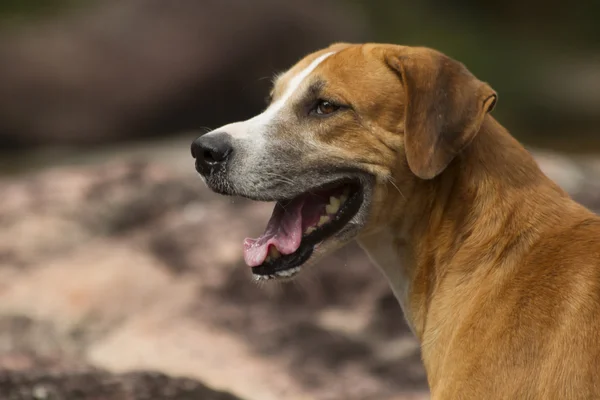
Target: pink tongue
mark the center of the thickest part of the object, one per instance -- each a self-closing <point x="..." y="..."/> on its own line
<point x="284" y="231"/>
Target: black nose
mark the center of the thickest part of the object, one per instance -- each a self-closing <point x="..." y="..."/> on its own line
<point x="211" y="151"/>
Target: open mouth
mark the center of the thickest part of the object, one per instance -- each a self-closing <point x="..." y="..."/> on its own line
<point x="299" y="225"/>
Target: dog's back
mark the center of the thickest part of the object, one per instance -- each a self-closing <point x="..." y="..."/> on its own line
<point x="529" y="325"/>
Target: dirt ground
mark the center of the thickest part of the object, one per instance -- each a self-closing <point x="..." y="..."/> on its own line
<point x="125" y="280"/>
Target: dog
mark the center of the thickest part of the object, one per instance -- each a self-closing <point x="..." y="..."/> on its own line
<point x="496" y="268"/>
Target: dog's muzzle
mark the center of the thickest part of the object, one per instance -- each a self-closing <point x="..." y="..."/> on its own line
<point x="212" y="152"/>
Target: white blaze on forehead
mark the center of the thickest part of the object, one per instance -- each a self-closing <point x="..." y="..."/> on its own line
<point x="293" y="85"/>
<point x="254" y="127"/>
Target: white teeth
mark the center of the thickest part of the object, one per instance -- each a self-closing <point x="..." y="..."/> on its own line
<point x="331" y="209"/>
<point x="323" y="220"/>
<point x="279" y="274"/>
<point x="333" y="206"/>
<point x="274" y="253"/>
<point x="287" y="273"/>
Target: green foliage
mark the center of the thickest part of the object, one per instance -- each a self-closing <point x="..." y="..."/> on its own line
<point x="505" y="43"/>
<point x="11" y="10"/>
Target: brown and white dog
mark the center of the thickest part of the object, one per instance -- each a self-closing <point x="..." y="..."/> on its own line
<point x="496" y="268"/>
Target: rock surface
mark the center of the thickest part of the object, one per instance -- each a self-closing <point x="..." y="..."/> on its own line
<point x="120" y="267"/>
<point x="99" y="385"/>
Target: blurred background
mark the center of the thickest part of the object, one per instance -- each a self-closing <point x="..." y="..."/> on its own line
<point x="121" y="276"/>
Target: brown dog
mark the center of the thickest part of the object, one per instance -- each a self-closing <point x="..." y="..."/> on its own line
<point x="496" y="268"/>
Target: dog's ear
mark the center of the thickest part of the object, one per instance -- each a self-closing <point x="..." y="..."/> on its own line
<point x="445" y="107"/>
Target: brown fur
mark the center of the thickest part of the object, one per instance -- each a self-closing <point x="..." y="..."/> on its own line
<point x="497" y="269"/>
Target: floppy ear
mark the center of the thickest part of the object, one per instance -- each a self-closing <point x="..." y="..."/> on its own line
<point x="445" y="107"/>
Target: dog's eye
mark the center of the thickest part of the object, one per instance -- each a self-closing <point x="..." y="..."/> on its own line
<point x="325" y="107"/>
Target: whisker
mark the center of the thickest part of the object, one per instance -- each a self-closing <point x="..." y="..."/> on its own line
<point x="391" y="180"/>
<point x="281" y="178"/>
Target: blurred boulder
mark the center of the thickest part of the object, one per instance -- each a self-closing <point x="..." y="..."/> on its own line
<point x="136" y="266"/>
<point x="100" y="385"/>
<point x="125" y="69"/>
<point x="579" y="176"/>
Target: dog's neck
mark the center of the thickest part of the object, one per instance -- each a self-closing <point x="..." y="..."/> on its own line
<point x="458" y="227"/>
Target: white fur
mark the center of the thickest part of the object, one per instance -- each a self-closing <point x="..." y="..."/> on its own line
<point x="255" y="128"/>
<point x="295" y="82"/>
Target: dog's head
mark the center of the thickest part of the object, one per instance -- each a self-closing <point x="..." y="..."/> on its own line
<point x="346" y="129"/>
